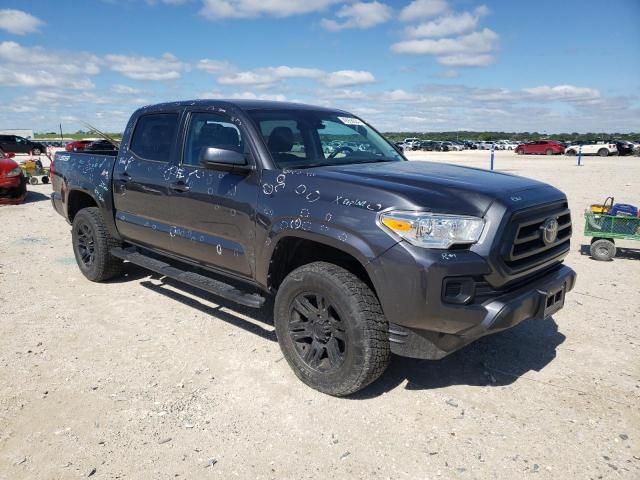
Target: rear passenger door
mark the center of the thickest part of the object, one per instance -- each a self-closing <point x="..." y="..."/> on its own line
<point x="213" y="210"/>
<point x="142" y="180"/>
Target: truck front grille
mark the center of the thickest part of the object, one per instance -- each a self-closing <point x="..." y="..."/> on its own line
<point x="527" y="246"/>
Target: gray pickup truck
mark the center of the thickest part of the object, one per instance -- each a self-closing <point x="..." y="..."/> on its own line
<point x="365" y="252"/>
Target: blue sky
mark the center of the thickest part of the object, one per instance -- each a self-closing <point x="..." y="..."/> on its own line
<point x="424" y="65"/>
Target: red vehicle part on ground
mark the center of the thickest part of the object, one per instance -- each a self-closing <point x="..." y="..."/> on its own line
<point x="13" y="183"/>
<point x="77" y="146"/>
<point x="540" y="147"/>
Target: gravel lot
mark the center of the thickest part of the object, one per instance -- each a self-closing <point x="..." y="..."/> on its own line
<point x="139" y="378"/>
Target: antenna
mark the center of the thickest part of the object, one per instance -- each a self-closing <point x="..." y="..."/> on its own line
<point x="107" y="137"/>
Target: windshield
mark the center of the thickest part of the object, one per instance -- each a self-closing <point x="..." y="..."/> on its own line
<point x="307" y="138"/>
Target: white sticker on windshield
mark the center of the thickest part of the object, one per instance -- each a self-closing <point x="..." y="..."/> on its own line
<point x="350" y="121"/>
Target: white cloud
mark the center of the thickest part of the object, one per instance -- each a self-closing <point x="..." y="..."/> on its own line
<point x="214" y="66"/>
<point x="359" y="15"/>
<point x="345" y="78"/>
<point x="272" y="75"/>
<point x="568" y="93"/>
<point x="449" y="24"/>
<point x="264" y="96"/>
<point x="216" y="9"/>
<point x="422" y="9"/>
<point x="41" y="78"/>
<point x="268" y="75"/>
<point x="38" y="58"/>
<point x="246" y="78"/>
<point x="464" y="60"/>
<point x="166" y="67"/>
<point x="468" y="50"/>
<point x="18" y="22"/>
<point x="125" y="90"/>
<point x="38" y="67"/>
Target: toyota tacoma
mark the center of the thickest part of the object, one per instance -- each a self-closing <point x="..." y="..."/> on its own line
<point x="364" y="253"/>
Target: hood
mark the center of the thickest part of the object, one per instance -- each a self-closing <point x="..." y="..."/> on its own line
<point x="6" y="165"/>
<point x="438" y="186"/>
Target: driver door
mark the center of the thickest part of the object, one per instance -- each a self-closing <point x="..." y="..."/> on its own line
<point x="212" y="211"/>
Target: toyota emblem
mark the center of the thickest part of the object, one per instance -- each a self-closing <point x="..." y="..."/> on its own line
<point x="549" y="231"/>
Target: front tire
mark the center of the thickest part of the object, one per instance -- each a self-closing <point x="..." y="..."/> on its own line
<point x="548" y="151"/>
<point x="36" y="151"/>
<point x="602" y="249"/>
<point x="331" y="329"/>
<point x="92" y="243"/>
<point x="520" y="151"/>
<point x="603" y="152"/>
<point x="570" y="153"/>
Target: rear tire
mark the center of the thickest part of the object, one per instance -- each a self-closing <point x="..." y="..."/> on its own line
<point x="602" y="249"/>
<point x="92" y="244"/>
<point x="603" y="152"/>
<point x="36" y="151"/>
<point x="548" y="151"/>
<point x="519" y="151"/>
<point x="331" y="329"/>
<point x="570" y="153"/>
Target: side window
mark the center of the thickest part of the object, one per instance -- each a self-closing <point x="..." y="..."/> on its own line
<point x="283" y="139"/>
<point x="20" y="140"/>
<point x="210" y="130"/>
<point x="154" y="136"/>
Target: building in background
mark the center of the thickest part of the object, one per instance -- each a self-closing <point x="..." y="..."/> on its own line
<point x="20" y="132"/>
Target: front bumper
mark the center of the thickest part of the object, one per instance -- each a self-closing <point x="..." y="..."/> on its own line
<point x="538" y="300"/>
<point x="13" y="190"/>
<point x="423" y="324"/>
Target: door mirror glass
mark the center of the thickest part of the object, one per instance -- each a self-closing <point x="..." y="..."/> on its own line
<point x="216" y="157"/>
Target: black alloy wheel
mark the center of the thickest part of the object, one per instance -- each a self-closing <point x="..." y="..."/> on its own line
<point x="317" y="332"/>
<point x="86" y="243"/>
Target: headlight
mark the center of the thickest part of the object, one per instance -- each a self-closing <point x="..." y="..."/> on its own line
<point x="433" y="230"/>
<point x="15" y="172"/>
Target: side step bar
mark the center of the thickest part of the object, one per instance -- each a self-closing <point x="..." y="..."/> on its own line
<point x="207" y="284"/>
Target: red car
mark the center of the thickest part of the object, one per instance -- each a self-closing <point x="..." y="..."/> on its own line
<point x="541" y="147"/>
<point x="77" y="146"/>
<point x="13" y="183"/>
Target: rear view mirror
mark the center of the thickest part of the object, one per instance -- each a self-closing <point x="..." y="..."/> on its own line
<point x="223" y="159"/>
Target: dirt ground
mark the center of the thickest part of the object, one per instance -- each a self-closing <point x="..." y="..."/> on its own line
<point x="140" y="378"/>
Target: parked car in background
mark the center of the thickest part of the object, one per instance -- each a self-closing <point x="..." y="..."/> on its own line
<point x="430" y="146"/>
<point x="624" y="147"/>
<point x="77" y="146"/>
<point x="100" y="146"/>
<point x="453" y="146"/>
<point x="540" y="147"/>
<point x="483" y="145"/>
<point x="17" y="144"/>
<point x="13" y="182"/>
<point x="593" y="148"/>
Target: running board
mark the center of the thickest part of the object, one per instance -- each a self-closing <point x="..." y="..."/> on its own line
<point x="207" y="284"/>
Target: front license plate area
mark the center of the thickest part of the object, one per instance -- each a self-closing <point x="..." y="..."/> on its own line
<point x="554" y="301"/>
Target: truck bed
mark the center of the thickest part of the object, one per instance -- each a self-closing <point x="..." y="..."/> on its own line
<point x="89" y="172"/>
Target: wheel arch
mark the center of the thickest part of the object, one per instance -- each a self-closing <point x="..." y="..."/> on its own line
<point x="294" y="249"/>
<point x="77" y="199"/>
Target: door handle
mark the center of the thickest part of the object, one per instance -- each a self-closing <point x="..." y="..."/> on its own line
<point x="126" y="177"/>
<point x="180" y="186"/>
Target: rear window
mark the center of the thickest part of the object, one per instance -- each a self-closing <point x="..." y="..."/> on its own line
<point x="154" y="136"/>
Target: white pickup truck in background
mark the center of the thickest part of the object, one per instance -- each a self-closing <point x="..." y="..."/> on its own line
<point x="602" y="149"/>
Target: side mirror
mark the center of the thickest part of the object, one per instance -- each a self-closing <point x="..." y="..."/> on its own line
<point x="223" y="159"/>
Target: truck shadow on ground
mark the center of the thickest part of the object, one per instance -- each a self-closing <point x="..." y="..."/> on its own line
<point x="626" y="253"/>
<point x="495" y="360"/>
<point x="227" y="311"/>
